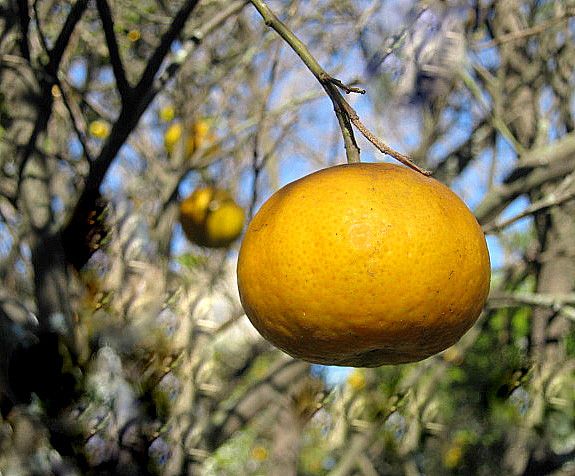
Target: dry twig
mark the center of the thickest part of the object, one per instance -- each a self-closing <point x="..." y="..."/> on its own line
<point x="345" y="114"/>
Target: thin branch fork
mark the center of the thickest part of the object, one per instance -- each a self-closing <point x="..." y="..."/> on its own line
<point x="499" y="197"/>
<point x="534" y="30"/>
<point x="122" y="83"/>
<point x="560" y="303"/>
<point x="57" y="52"/>
<point x="143" y="93"/>
<point x="564" y="192"/>
<point x="326" y="78"/>
<point x="49" y="77"/>
<point x="346" y="115"/>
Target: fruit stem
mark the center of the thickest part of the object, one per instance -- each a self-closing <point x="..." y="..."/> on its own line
<point x="346" y="115"/>
<point x="329" y="84"/>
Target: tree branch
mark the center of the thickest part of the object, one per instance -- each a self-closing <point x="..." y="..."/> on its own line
<point x="357" y="446"/>
<point x="142" y="95"/>
<point x="272" y="21"/>
<point x="195" y="39"/>
<point x="565" y="192"/>
<point x="227" y="420"/>
<point x="344" y="112"/>
<point x="64" y="37"/>
<point x="122" y="84"/>
<point x="45" y="95"/>
<point x="527" y="32"/>
<point x="40" y="28"/>
<point x="158" y="56"/>
<point x="75" y="113"/>
<point x="563" y="303"/>
<point x="24" y="17"/>
<point x="218" y="19"/>
<point x="556" y="161"/>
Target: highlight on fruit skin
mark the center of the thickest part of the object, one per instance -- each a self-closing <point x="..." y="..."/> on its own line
<point x="363" y="265"/>
<point x="211" y="218"/>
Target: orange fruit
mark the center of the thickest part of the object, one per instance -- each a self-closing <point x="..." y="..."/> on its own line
<point x="197" y="135"/>
<point x="259" y="453"/>
<point x="363" y="265"/>
<point x="99" y="129"/>
<point x="211" y="218"/>
<point x="167" y="113"/>
<point x="356" y="380"/>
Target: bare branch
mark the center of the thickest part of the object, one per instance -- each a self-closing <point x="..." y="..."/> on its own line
<point x="196" y="38"/>
<point x="64" y="37"/>
<point x="55" y="55"/>
<point x="271" y="20"/>
<point x="152" y="67"/>
<point x="496" y="121"/>
<point x="382" y="146"/>
<point x="40" y="28"/>
<point x="527" y="32"/>
<point x="357" y="446"/>
<point x="554" y="161"/>
<point x="565" y="192"/>
<point x="281" y="376"/>
<point x="24" y="28"/>
<point x="76" y="115"/>
<point x="133" y="109"/>
<point x="563" y="303"/>
<point x="218" y="19"/>
<point x="347" y="88"/>
<point x="344" y="112"/>
<point x="122" y="84"/>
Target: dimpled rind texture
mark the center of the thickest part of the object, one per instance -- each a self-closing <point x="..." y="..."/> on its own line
<point x="363" y="265"/>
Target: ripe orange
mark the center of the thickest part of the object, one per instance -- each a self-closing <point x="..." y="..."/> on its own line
<point x="197" y="135"/>
<point x="99" y="129"/>
<point x="363" y="265"/>
<point x="210" y="217"/>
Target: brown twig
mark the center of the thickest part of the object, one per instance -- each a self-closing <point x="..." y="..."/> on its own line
<point x="78" y="122"/>
<point x="548" y="162"/>
<point x="564" y="193"/>
<point x="124" y="88"/>
<point x="345" y="114"/>
<point x="382" y="146"/>
<point x="563" y="303"/>
<point x="347" y="88"/>
<point x="527" y="32"/>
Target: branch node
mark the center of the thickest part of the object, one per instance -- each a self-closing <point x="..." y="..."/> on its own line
<point x="345" y="114"/>
<point x="345" y="87"/>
